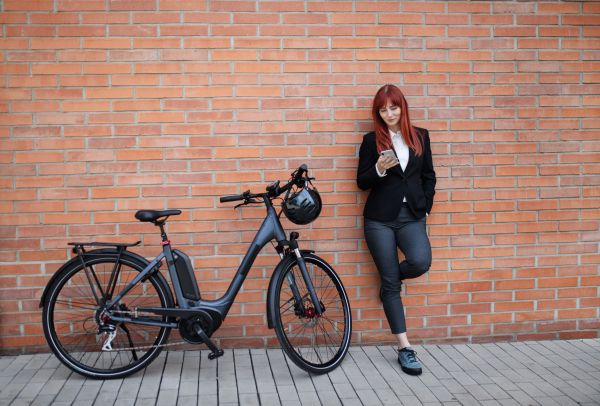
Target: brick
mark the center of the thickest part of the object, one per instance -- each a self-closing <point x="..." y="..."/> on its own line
<point x="82" y="56"/>
<point x="54" y="18"/>
<point x="182" y="5"/>
<point x="132" y="31"/>
<point x="82" y="31"/>
<point x="106" y="43"/>
<point x="423" y="31"/>
<point x="130" y="5"/>
<point x="81" y="5"/>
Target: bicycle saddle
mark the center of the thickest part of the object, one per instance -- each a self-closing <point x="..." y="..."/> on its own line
<point x="152" y="215"/>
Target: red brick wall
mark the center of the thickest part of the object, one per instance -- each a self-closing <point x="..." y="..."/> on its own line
<point x="111" y="106"/>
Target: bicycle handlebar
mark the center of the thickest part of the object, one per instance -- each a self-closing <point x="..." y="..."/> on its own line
<point x="226" y="199"/>
<point x="297" y="177"/>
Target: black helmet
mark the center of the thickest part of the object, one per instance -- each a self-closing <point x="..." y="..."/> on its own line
<point x="302" y="207"/>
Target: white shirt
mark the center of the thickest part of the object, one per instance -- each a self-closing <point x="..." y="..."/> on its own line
<point x="401" y="152"/>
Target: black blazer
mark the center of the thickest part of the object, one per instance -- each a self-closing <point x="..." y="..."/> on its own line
<point x="416" y="183"/>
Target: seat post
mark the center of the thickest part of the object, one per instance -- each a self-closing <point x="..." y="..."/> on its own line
<point x="163" y="235"/>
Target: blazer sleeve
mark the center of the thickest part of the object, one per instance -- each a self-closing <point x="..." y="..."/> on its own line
<point x="367" y="176"/>
<point x="428" y="179"/>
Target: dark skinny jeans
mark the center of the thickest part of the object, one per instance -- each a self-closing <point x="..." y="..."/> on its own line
<point x="407" y="233"/>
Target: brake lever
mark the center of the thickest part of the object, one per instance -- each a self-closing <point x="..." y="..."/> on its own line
<point x="248" y="200"/>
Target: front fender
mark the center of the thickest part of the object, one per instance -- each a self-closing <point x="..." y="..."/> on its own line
<point x="283" y="264"/>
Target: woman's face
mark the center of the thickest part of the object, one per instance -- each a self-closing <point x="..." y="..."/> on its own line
<point x="390" y="113"/>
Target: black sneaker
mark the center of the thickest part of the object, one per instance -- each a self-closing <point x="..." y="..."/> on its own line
<point x="407" y="358"/>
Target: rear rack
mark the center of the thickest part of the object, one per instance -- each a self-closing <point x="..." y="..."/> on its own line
<point x="120" y="246"/>
<point x="80" y="251"/>
<point x="109" y="244"/>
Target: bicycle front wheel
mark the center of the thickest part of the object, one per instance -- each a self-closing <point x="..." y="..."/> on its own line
<point x="77" y="332"/>
<point x="316" y="344"/>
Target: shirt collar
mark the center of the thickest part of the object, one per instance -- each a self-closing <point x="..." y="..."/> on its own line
<point x="393" y="134"/>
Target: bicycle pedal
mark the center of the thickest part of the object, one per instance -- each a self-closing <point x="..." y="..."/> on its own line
<point x="216" y="354"/>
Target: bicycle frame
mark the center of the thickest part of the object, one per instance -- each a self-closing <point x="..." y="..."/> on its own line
<point x="270" y="229"/>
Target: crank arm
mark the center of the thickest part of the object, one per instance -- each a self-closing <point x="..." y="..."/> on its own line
<point x="216" y="353"/>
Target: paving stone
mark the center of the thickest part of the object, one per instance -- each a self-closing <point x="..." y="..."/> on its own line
<point x="368" y="397"/>
<point x="522" y="397"/>
<point x="21" y="402"/>
<point x="442" y="394"/>
<point x="210" y="400"/>
<point x="466" y="399"/>
<point x="248" y="400"/>
<point x="495" y="391"/>
<point x="188" y="389"/>
<point x="351" y="402"/>
<point x="31" y="390"/>
<point x="287" y="393"/>
<point x="4" y="381"/>
<point x="347" y="391"/>
<point x="44" y="400"/>
<point x="52" y="388"/>
<point x="508" y="374"/>
<point x="269" y="399"/>
<point x="145" y="402"/>
<point x="453" y="386"/>
<point x="89" y="391"/>
<point x="575" y="394"/>
<point x="106" y="398"/>
<point x="425" y="395"/>
<point x="479" y="393"/>
<point x="11" y="391"/>
<point x="228" y="395"/>
<point x="387" y="397"/>
<point x="125" y="402"/>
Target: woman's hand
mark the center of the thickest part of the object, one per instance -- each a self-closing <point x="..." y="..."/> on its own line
<point x="386" y="162"/>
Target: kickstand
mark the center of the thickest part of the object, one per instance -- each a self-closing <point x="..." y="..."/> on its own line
<point x="216" y="353"/>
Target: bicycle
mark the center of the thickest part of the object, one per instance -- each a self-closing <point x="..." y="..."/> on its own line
<point x="102" y="335"/>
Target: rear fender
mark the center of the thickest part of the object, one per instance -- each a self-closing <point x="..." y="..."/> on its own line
<point x="283" y="264"/>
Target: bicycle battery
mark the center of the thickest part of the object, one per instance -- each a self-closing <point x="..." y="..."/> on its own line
<point x="185" y="273"/>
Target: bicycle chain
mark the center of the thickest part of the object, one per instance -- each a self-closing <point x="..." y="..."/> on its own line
<point x="148" y="346"/>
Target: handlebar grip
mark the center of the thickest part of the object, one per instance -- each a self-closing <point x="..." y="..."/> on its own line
<point x="301" y="170"/>
<point x="226" y="199"/>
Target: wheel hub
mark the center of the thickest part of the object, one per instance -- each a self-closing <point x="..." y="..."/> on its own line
<point x="308" y="316"/>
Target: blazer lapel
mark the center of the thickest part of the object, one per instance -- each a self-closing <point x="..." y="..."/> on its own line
<point x="411" y="159"/>
<point x="397" y="168"/>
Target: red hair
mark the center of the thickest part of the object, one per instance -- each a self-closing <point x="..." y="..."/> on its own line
<point x="382" y="134"/>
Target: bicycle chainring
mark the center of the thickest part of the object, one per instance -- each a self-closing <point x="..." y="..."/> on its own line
<point x="187" y="330"/>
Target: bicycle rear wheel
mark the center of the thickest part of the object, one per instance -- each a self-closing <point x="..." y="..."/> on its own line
<point x="317" y="344"/>
<point x="76" y="331"/>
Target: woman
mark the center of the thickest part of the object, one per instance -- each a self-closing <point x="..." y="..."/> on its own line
<point x="402" y="189"/>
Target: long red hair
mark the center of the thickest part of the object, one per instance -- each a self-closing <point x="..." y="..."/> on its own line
<point x="382" y="134"/>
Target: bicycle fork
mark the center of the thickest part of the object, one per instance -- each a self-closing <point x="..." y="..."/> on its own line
<point x="293" y="244"/>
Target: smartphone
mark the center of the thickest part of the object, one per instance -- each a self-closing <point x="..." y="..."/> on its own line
<point x="389" y="152"/>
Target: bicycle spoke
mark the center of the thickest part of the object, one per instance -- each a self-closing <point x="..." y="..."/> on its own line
<point x="77" y="320"/>
<point x="316" y="339"/>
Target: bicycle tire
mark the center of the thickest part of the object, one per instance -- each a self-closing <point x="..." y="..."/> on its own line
<point x="70" y="316"/>
<point x="326" y="343"/>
